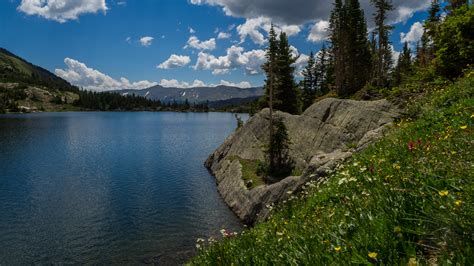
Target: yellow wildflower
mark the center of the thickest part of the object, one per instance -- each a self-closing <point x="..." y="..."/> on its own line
<point x="458" y="202"/>
<point x="464" y="127"/>
<point x="443" y="193"/>
<point x="337" y="249"/>
<point x="412" y="262"/>
<point x="472" y="116"/>
<point x="373" y="255"/>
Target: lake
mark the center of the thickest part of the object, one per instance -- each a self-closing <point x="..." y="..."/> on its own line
<point x="101" y="188"/>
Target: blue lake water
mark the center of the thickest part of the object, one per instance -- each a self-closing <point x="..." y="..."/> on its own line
<point x="100" y="188"/>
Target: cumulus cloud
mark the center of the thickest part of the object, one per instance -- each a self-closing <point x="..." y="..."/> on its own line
<point x="319" y="32"/>
<point x="194" y="42"/>
<point x="175" y="61"/>
<point x="253" y="28"/>
<point x="81" y="75"/>
<point x="223" y="35"/>
<point x="173" y="83"/>
<point x="61" y="10"/>
<point x="146" y="41"/>
<point x="235" y="58"/>
<point x="414" y="35"/>
<point x="298" y="12"/>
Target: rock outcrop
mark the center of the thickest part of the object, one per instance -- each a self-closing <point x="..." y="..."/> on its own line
<point x="324" y="135"/>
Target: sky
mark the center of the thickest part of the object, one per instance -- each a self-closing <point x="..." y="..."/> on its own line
<point x="105" y="45"/>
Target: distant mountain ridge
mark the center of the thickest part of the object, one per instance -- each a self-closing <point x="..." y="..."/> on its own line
<point x="195" y="95"/>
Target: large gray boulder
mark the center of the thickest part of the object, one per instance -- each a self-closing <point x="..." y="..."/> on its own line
<point x="324" y="135"/>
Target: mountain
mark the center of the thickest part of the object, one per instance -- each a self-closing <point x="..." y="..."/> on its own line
<point x="15" y="69"/>
<point x="25" y="87"/>
<point x="197" y="94"/>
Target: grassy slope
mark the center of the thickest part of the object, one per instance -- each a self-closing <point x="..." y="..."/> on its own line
<point x="406" y="199"/>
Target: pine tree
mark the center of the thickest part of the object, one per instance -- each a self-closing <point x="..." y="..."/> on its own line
<point x="384" y="50"/>
<point x="270" y="68"/>
<point x="350" y="47"/>
<point x="287" y="98"/>
<point x="280" y="165"/>
<point x="322" y="71"/>
<point x="404" y="65"/>
<point x="309" y="82"/>
<point x="455" y="4"/>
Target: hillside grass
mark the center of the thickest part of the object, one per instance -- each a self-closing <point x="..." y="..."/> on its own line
<point x="407" y="199"/>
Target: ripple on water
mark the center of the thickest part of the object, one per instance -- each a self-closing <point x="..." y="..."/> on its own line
<point x="125" y="188"/>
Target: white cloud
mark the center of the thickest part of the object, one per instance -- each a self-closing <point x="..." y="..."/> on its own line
<point x="243" y="84"/>
<point x="223" y="35"/>
<point x="298" y="12"/>
<point x="395" y="55"/>
<point x="191" y="30"/>
<point x="80" y="75"/>
<point x="414" y="35"/>
<point x="253" y="28"/>
<point x="235" y="58"/>
<point x="173" y="83"/>
<point x="319" y="31"/>
<point x="175" y="61"/>
<point x="195" y="43"/>
<point x="128" y="39"/>
<point x="62" y="10"/>
<point x="146" y="41"/>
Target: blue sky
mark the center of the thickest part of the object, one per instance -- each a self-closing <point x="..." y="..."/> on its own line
<point x="115" y="44"/>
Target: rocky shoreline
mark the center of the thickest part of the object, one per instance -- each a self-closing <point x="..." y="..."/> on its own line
<point x="326" y="134"/>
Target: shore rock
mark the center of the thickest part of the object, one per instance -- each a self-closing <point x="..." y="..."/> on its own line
<point x="324" y="135"/>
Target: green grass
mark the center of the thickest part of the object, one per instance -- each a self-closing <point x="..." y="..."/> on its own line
<point x="249" y="172"/>
<point x="407" y="199"/>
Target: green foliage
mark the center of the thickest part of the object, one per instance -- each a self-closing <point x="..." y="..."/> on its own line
<point x="240" y="122"/>
<point x="251" y="173"/>
<point x="455" y="43"/>
<point x="279" y="69"/>
<point x="279" y="164"/>
<point x="408" y="199"/>
<point x="350" y="47"/>
<point x="404" y="67"/>
<point x="382" y="51"/>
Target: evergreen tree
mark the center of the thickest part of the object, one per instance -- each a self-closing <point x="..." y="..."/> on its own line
<point x="287" y="95"/>
<point x="323" y="71"/>
<point x="350" y="47"/>
<point x="309" y="82"/>
<point x="280" y="165"/>
<point x="404" y="65"/>
<point x="384" y="50"/>
<point x="270" y="68"/>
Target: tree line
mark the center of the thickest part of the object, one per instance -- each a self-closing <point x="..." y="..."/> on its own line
<point x="111" y="101"/>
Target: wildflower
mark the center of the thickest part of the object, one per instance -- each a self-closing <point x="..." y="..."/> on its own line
<point x="472" y="116"/>
<point x="337" y="249"/>
<point x="412" y="262"/>
<point x="396" y="166"/>
<point x="373" y="255"/>
<point x="443" y="193"/>
<point x="411" y="145"/>
<point x="458" y="202"/>
<point x="463" y="127"/>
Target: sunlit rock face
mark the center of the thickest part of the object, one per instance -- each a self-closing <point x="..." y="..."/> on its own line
<point x="324" y="135"/>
